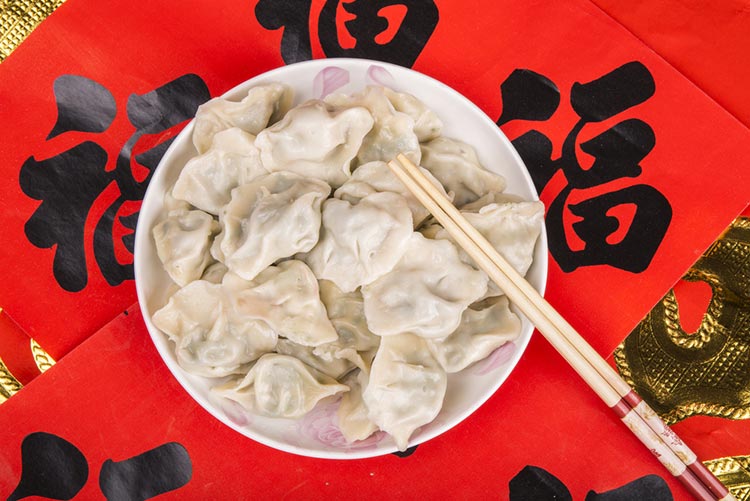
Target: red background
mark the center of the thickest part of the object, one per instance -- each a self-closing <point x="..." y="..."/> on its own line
<point x="112" y="396"/>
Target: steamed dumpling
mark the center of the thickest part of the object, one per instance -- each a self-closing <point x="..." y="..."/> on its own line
<point x="263" y="104"/>
<point x="481" y="332"/>
<point x="406" y="387"/>
<point x="215" y="273"/>
<point x="280" y="386"/>
<point x="346" y="310"/>
<point x="183" y="241"/>
<point x="353" y="414"/>
<point x="392" y="132"/>
<point x="490" y="198"/>
<point x="360" y="242"/>
<point x="315" y="142"/>
<point x="456" y="166"/>
<point x="377" y="177"/>
<point x="271" y="218"/>
<point x="355" y="345"/>
<point x="329" y="365"/>
<point x="425" y="293"/>
<point x="173" y="205"/>
<point x="207" y="180"/>
<point x="427" y="125"/>
<point x="512" y="228"/>
<point x="286" y="296"/>
<point x="213" y="338"/>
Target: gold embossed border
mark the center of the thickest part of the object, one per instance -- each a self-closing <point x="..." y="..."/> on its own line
<point x="734" y="472"/>
<point x="18" y="18"/>
<point x="9" y="385"/>
<point x="707" y="372"/>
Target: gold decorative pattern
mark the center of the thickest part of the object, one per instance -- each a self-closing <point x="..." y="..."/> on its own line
<point x="734" y="472"/>
<point x="18" y="18"/>
<point x="42" y="359"/>
<point x="707" y="372"/>
<point x="9" y="385"/>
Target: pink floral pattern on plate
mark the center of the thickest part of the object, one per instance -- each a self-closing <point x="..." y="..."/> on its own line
<point x="328" y="80"/>
<point x="235" y="412"/>
<point x="321" y="424"/>
<point x="332" y="78"/>
<point x="379" y="76"/>
<point x="494" y="360"/>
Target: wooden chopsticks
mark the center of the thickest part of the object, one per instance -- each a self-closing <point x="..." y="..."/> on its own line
<point x="595" y="371"/>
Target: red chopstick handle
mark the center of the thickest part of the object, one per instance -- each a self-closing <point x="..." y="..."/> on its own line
<point x="661" y="450"/>
<point x="677" y="445"/>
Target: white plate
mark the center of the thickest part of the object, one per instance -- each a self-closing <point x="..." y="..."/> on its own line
<point x="316" y="434"/>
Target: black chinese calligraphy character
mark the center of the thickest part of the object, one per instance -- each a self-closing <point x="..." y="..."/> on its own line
<point x="530" y="96"/>
<point x="68" y="184"/>
<point x="537" y="484"/>
<point x="53" y="468"/>
<point x="70" y="92"/>
<point x="151" y="113"/>
<point x="369" y="23"/>
<point x="617" y="154"/>
<point x="293" y="17"/>
<point x="147" y="475"/>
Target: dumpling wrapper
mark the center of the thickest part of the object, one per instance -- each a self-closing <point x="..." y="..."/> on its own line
<point x="427" y="125"/>
<point x="207" y="180"/>
<point x="183" y="240"/>
<point x="490" y="198"/>
<point x="315" y="142"/>
<point x="392" y="132"/>
<point x="346" y="311"/>
<point x="377" y="177"/>
<point x="360" y="242"/>
<point x="456" y="165"/>
<point x="406" y="387"/>
<point x="353" y="414"/>
<point x="480" y="333"/>
<point x="173" y="205"/>
<point x="330" y="366"/>
<point x="213" y="339"/>
<point x="425" y="293"/>
<point x="273" y="217"/>
<point x="280" y="386"/>
<point x="215" y="273"/>
<point x="263" y="104"/>
<point x="287" y="297"/>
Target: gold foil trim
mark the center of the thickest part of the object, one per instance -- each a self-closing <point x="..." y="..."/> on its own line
<point x="42" y="359"/>
<point x="681" y="374"/>
<point x="733" y="472"/>
<point x="18" y="18"/>
<point x="9" y="385"/>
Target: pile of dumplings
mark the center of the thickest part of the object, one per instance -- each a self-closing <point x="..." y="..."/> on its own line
<point x="306" y="270"/>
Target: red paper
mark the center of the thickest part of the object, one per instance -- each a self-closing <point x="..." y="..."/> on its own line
<point x="707" y="42"/>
